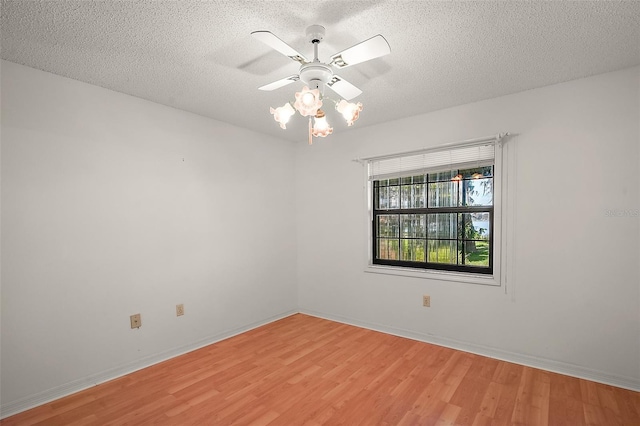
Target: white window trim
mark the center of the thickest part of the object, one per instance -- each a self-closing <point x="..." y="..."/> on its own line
<point x="499" y="203"/>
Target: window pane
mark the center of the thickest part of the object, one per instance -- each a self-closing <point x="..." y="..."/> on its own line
<point x="443" y="225"/>
<point x="442" y="251"/>
<point x="443" y="194"/>
<point x="405" y="191"/>
<point x="412" y="196"/>
<point x="476" y="253"/>
<point x="412" y="250"/>
<point x="413" y="179"/>
<point x="382" y="198"/>
<point x="388" y="225"/>
<point x="418" y="197"/>
<point x="387" y="249"/>
<point x="413" y="225"/>
<point x="477" y="192"/>
<point x="394" y="197"/>
<point x="474" y="226"/>
<point x="381" y="248"/>
<point x="477" y="172"/>
<point x="442" y="176"/>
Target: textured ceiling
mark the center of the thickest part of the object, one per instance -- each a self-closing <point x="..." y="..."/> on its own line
<point x="199" y="56"/>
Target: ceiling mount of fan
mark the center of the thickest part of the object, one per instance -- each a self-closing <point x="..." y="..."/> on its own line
<point x="315" y="33"/>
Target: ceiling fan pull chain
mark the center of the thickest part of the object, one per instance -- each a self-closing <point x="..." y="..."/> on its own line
<point x="310" y="132"/>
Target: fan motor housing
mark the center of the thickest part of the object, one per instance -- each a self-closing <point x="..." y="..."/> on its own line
<point x="316" y="74"/>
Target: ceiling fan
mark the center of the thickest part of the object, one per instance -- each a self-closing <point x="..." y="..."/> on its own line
<point x="316" y="74"/>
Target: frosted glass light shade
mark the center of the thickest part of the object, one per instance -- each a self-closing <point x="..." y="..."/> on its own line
<point x="349" y="111"/>
<point x="321" y="127"/>
<point x="283" y="114"/>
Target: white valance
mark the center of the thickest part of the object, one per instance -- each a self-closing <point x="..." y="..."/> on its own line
<point x="468" y="154"/>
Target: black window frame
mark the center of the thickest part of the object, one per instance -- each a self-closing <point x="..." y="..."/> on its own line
<point x="426" y="210"/>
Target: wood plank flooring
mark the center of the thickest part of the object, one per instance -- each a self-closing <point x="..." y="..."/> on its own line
<point x="303" y="370"/>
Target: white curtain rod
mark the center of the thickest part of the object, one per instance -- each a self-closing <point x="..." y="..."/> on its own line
<point x="468" y="142"/>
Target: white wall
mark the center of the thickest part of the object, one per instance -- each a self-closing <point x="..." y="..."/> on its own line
<point x="112" y="205"/>
<point x="572" y="302"/>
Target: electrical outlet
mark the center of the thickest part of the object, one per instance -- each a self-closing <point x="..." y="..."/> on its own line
<point x="179" y="310"/>
<point x="136" y="321"/>
<point x="426" y="300"/>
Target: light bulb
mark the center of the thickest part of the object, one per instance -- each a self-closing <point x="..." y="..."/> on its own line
<point x="307" y="102"/>
<point x="308" y="99"/>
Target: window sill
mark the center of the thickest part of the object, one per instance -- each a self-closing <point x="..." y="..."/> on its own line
<point x="492" y="280"/>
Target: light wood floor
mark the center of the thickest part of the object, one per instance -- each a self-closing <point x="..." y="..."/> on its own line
<point x="303" y="370"/>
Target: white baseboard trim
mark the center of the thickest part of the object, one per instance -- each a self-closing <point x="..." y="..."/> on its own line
<point x="23" y="404"/>
<point x="513" y="357"/>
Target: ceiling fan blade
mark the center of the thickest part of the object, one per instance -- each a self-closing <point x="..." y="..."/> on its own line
<point x="276" y="43"/>
<point x="280" y="83"/>
<point x="343" y="88"/>
<point x="369" y="49"/>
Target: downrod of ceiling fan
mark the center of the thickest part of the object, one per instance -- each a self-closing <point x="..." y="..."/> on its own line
<point x="315" y="74"/>
<point x="315" y="34"/>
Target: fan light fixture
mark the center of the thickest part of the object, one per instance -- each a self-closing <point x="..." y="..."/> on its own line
<point x="316" y="75"/>
<point x="308" y="103"/>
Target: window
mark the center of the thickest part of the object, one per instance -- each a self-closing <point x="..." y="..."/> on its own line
<point x="434" y="209"/>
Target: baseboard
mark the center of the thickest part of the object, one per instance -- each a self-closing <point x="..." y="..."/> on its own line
<point x="23" y="404"/>
<point x="513" y="357"/>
